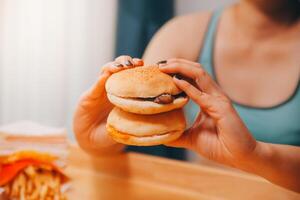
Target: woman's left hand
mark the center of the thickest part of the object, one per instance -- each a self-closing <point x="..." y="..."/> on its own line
<point x="218" y="133"/>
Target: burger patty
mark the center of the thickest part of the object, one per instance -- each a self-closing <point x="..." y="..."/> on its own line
<point x="164" y="98"/>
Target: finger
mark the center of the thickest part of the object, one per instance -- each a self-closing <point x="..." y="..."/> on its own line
<point x="177" y="68"/>
<point x="96" y="95"/>
<point x="112" y="67"/>
<point x="127" y="61"/>
<point x="180" y="60"/>
<point x="138" y="62"/>
<point x="215" y="106"/>
<point x="193" y="92"/>
<point x="198" y="74"/>
<point x="218" y="108"/>
<point x="98" y="88"/>
<point x="184" y="141"/>
<point x="92" y="107"/>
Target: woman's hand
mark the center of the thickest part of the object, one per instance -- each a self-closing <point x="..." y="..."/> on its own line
<point x="218" y="132"/>
<point x="91" y="113"/>
<point x="220" y="135"/>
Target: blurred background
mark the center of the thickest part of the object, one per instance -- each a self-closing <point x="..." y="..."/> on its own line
<point x="52" y="50"/>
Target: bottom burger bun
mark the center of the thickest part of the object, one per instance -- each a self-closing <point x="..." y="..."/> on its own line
<point x="145" y="130"/>
<point x="145" y="140"/>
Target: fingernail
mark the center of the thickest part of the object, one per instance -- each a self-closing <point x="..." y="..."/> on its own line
<point x="175" y="78"/>
<point x="178" y="76"/>
<point x="119" y="65"/>
<point x="162" y="62"/>
<point x="128" y="63"/>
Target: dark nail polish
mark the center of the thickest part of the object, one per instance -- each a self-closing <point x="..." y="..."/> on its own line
<point x="178" y="76"/>
<point x="119" y="65"/>
<point x="162" y="62"/>
<point x="128" y="63"/>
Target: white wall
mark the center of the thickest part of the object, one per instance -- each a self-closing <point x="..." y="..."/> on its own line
<point x="50" y="52"/>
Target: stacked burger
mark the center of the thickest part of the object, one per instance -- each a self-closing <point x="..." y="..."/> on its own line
<point x="148" y="107"/>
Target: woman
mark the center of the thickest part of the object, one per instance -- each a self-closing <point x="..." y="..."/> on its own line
<point x="247" y="86"/>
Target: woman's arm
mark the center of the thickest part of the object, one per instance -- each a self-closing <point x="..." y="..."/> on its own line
<point x="181" y="37"/>
<point x="278" y="163"/>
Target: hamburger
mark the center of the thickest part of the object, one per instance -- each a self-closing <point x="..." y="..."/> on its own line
<point x="144" y="90"/>
<point x="148" y="107"/>
<point x="145" y="130"/>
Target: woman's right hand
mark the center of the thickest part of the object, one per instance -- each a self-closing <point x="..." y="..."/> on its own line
<point x="93" y="108"/>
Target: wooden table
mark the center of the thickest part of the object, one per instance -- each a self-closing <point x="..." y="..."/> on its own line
<point x="137" y="176"/>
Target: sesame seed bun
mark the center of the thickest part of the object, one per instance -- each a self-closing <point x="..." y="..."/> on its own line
<point x="135" y="89"/>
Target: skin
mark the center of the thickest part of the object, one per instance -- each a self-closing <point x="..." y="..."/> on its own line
<point x="93" y="108"/>
<point x="219" y="133"/>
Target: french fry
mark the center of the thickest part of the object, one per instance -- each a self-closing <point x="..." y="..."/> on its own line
<point x="29" y="187"/>
<point x="34" y="183"/>
<point x="22" y="180"/>
<point x="35" y="194"/>
<point x="22" y="193"/>
<point x="30" y="171"/>
<point x="43" y="191"/>
<point x="57" y="197"/>
<point x="15" y="188"/>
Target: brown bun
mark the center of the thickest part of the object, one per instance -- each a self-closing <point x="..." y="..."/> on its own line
<point x="145" y="130"/>
<point x="132" y="90"/>
<point x="141" y="82"/>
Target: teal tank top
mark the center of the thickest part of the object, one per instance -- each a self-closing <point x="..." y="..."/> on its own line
<point x="278" y="124"/>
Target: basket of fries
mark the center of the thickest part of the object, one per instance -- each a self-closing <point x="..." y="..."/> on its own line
<point x="32" y="162"/>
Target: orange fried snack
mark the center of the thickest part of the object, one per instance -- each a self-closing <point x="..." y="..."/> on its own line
<point x="31" y="175"/>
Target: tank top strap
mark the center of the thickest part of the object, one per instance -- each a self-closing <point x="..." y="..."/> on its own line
<point x="206" y="55"/>
<point x="206" y="59"/>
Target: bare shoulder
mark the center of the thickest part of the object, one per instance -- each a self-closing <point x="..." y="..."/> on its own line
<point x="188" y="21"/>
<point x="180" y="37"/>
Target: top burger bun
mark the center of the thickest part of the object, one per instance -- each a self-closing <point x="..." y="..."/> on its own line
<point x="144" y="90"/>
<point x="150" y="80"/>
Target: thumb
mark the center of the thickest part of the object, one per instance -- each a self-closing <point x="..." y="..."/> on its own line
<point x="95" y="97"/>
<point x="184" y="141"/>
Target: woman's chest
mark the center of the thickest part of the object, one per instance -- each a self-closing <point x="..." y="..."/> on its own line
<point x="260" y="75"/>
<point x="274" y="125"/>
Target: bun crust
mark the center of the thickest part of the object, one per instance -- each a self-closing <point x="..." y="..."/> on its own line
<point x="143" y="82"/>
<point x="145" y="107"/>
<point x="145" y="140"/>
<point x="146" y="125"/>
